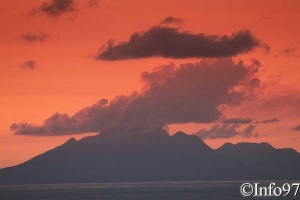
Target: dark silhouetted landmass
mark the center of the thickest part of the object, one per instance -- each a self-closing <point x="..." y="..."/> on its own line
<point x="153" y="156"/>
<point x="264" y="160"/>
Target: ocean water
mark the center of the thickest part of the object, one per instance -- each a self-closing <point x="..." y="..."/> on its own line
<point x="130" y="191"/>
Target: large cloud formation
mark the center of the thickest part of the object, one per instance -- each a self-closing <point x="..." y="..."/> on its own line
<point x="172" y="43"/>
<point x="191" y="92"/>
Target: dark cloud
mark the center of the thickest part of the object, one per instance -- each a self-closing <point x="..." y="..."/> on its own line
<point x="171" y="20"/>
<point x="172" y="43"/>
<point x="28" y="64"/>
<point x="55" y="8"/>
<point x="191" y="92"/>
<point x="226" y="131"/>
<point x="296" y="128"/>
<point x="270" y="120"/>
<point x="237" y="120"/>
<point x="34" y="37"/>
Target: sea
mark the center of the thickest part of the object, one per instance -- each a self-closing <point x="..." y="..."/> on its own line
<point x="195" y="190"/>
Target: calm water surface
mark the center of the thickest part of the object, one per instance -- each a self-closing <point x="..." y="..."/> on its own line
<point x="130" y="191"/>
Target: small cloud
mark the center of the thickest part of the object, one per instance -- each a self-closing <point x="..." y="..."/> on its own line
<point x="266" y="48"/>
<point x="270" y="120"/>
<point x="296" y="128"/>
<point x="28" y="64"/>
<point x="55" y="8"/>
<point x="34" y="37"/>
<point x="171" y="20"/>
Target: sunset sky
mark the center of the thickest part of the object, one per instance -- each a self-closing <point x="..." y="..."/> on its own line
<point x="58" y="57"/>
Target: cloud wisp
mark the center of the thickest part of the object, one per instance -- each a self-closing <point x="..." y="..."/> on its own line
<point x="238" y="120"/>
<point x="34" y="37"/>
<point x="296" y="128"/>
<point x="191" y="92"/>
<point x="270" y="120"/>
<point x="226" y="131"/>
<point x="291" y="52"/>
<point x="31" y="64"/>
<point x="168" y="42"/>
<point x="247" y="120"/>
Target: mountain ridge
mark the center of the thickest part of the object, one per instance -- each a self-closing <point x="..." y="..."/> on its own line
<point x="152" y="156"/>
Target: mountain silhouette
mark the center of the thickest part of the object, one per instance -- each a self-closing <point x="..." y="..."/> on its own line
<point x="264" y="159"/>
<point x="122" y="155"/>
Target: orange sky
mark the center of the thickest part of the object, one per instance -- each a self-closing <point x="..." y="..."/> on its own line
<point x="67" y="78"/>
